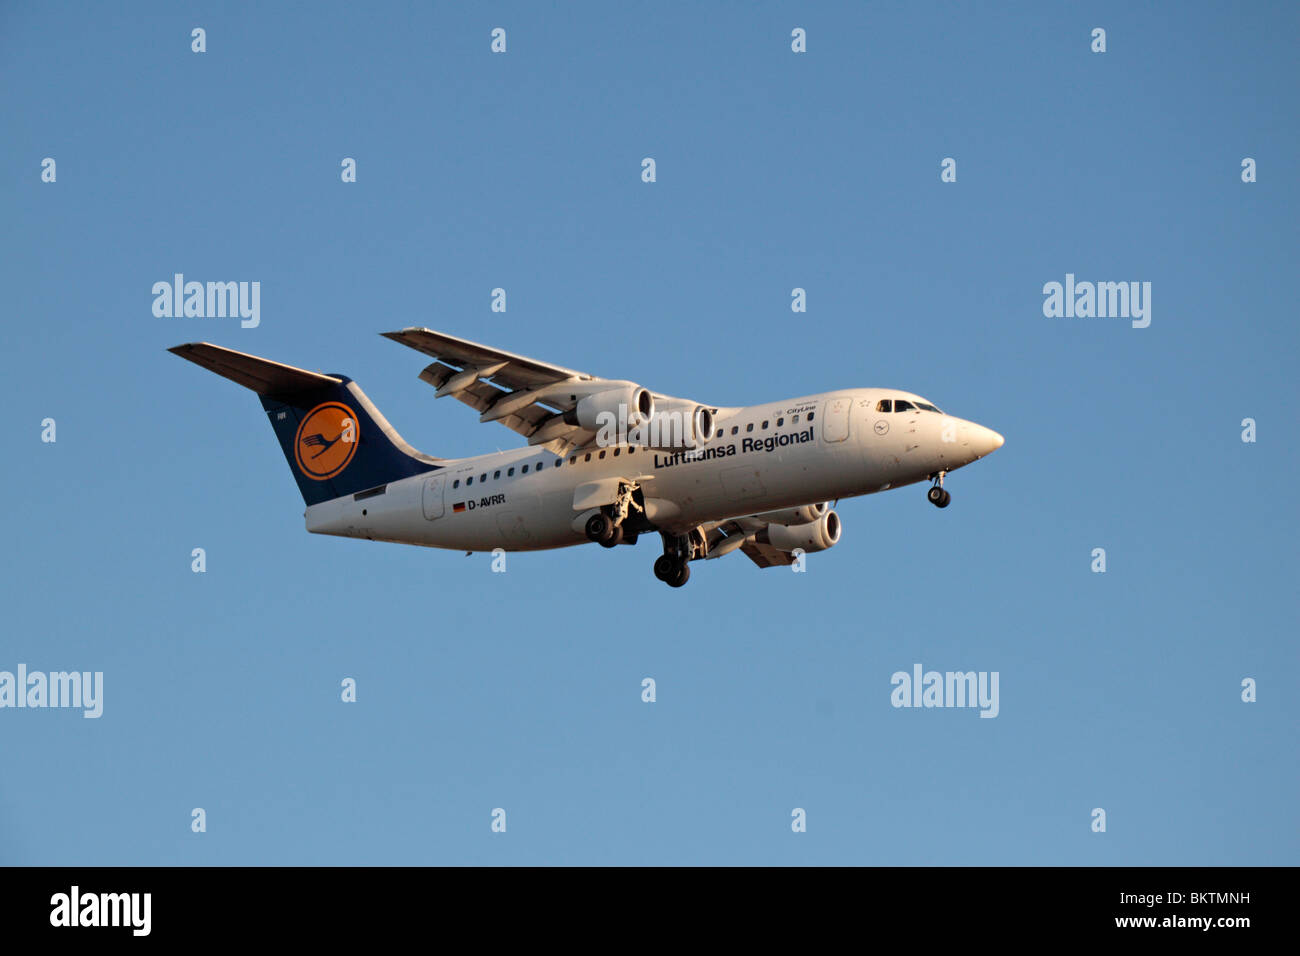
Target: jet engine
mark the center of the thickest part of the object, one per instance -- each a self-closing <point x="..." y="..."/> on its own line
<point x="801" y="515"/>
<point x="810" y="537"/>
<point x="595" y="411"/>
<point x="678" y="424"/>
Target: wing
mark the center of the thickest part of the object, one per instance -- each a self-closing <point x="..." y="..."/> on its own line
<point x="535" y="399"/>
<point x="743" y="534"/>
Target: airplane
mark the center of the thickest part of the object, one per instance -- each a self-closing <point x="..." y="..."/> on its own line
<point x="606" y="461"/>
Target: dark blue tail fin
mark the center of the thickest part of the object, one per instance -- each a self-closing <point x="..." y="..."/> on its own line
<point x="335" y="440"/>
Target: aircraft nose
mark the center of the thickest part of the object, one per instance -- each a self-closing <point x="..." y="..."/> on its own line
<point x="987" y="440"/>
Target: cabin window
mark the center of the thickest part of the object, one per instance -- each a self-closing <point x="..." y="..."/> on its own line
<point x="749" y="427"/>
<point x="573" y="460"/>
<point x="559" y="462"/>
<point x="588" y="458"/>
<point x="539" y="466"/>
<point x="780" y="422"/>
<point x="482" y="478"/>
<point x="456" y="483"/>
<point x="469" y="480"/>
<point x="764" y="425"/>
<point x="795" y="420"/>
<point x="496" y="474"/>
<point x="525" y="469"/>
<point x="810" y="416"/>
<point x="631" y="449"/>
<point x="510" y="473"/>
<point x="735" y="429"/>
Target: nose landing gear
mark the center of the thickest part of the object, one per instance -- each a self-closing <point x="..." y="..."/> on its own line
<point x="937" y="495"/>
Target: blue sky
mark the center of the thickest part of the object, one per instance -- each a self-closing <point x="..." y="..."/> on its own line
<point x="775" y="170"/>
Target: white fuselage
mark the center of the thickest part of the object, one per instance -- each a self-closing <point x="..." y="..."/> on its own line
<point x="762" y="458"/>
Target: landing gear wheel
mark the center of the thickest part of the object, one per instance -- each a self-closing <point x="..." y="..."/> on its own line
<point x="603" y="531"/>
<point x="935" y="495"/>
<point x="943" y="502"/>
<point x="671" y="567"/>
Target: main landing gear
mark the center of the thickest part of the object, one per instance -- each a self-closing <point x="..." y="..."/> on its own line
<point x="673" y="567"/>
<point x="671" y="571"/>
<point x="602" y="529"/>
<point x="937" y="496"/>
<point x="606" y="527"/>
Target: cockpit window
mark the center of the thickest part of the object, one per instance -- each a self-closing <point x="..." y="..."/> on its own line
<point x="885" y="405"/>
<point x="902" y="406"/>
<point x="928" y="407"/>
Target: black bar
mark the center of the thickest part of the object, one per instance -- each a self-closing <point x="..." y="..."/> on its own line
<point x="976" y="905"/>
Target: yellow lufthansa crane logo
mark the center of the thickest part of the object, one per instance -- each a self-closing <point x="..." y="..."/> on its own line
<point x="327" y="440"/>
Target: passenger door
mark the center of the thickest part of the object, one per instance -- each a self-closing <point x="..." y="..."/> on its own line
<point x="835" y="419"/>
<point x="433" y="494"/>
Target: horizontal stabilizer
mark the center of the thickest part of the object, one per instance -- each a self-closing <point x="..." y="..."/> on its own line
<point x="263" y="376"/>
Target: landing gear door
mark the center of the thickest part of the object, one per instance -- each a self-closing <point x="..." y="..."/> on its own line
<point x="835" y="419"/>
<point x="433" y="491"/>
